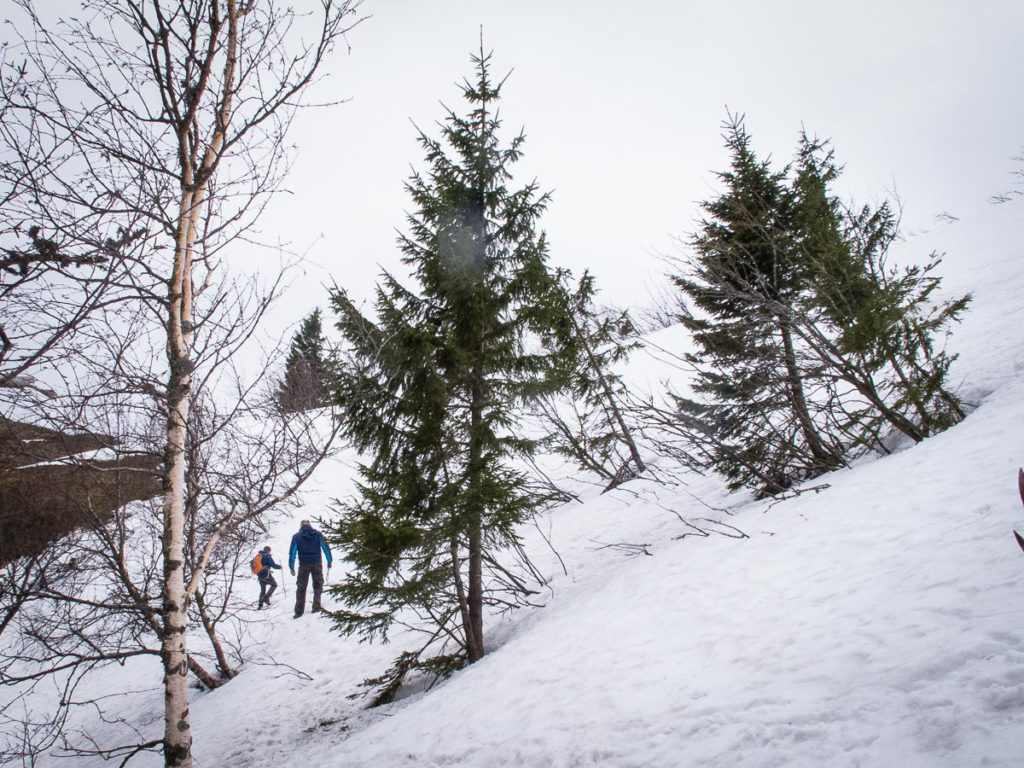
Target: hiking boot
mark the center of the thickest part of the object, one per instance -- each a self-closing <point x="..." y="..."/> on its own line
<point x="317" y="608"/>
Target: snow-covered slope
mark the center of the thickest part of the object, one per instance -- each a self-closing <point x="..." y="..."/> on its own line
<point x="878" y="622"/>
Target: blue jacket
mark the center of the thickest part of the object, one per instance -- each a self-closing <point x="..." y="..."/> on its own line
<point x="308" y="543"/>
<point x="268" y="563"/>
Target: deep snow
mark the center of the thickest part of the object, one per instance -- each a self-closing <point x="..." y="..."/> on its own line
<point x="874" y="623"/>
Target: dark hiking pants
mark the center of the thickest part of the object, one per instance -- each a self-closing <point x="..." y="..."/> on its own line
<point x="267" y="581"/>
<point x="316" y="570"/>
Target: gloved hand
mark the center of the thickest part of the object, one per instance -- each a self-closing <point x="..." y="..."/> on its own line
<point x="292" y="570"/>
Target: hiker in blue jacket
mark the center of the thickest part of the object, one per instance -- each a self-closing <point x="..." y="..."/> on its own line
<point x="308" y="543"/>
<point x="266" y="577"/>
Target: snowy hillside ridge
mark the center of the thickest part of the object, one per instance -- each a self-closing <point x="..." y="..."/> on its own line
<point x="875" y="622"/>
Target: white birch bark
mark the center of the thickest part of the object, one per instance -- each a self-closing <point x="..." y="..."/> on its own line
<point x="174" y="648"/>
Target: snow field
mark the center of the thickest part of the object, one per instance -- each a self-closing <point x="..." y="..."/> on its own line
<point x="878" y="622"/>
<point x="866" y="625"/>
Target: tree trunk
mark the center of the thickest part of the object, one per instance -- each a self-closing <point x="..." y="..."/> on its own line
<point x="460" y="591"/>
<point x="226" y="671"/>
<point x="864" y="385"/>
<point x="475" y="596"/>
<point x="908" y="388"/>
<point x="202" y="675"/>
<point x="173" y="649"/>
<point x="826" y="458"/>
<point x="860" y="380"/>
<point x="612" y="405"/>
<point x="475" y="649"/>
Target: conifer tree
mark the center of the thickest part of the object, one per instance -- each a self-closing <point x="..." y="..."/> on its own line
<point x="811" y="348"/>
<point x="587" y="422"/>
<point x="745" y="277"/>
<point x="883" y="322"/>
<point x="305" y="384"/>
<point x="432" y="386"/>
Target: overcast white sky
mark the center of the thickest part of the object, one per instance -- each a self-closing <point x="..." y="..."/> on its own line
<point x="622" y="104"/>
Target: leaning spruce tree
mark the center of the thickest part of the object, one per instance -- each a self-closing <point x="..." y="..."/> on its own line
<point x="878" y="328"/>
<point x="431" y="389"/>
<point x="745" y="277"/>
<point x="811" y="348"/>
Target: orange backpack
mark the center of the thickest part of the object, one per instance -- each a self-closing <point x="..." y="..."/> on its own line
<point x="257" y="564"/>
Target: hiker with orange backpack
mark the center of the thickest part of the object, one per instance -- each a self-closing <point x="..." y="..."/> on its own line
<point x="262" y="566"/>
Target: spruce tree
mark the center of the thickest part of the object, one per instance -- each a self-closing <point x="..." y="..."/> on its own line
<point x="432" y="387"/>
<point x="811" y="348"/>
<point x="306" y="383"/>
<point x="883" y="327"/>
<point x="744" y="279"/>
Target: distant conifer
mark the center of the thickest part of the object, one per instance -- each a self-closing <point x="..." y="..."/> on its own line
<point x="305" y="384"/>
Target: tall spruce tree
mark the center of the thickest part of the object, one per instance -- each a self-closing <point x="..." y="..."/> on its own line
<point x="432" y="386"/>
<point x="305" y="384"/>
<point x="745" y="276"/>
